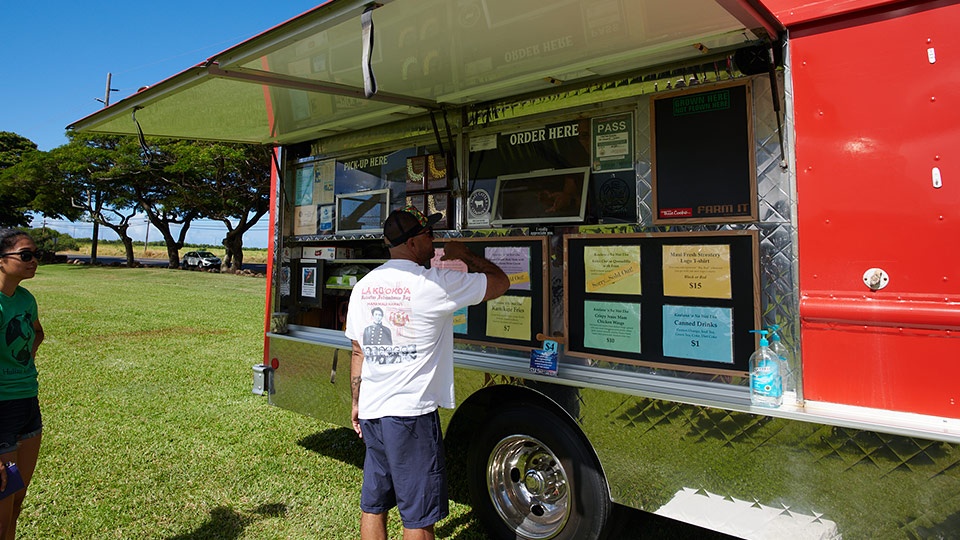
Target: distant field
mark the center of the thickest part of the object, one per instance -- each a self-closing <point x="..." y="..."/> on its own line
<point x="159" y="251"/>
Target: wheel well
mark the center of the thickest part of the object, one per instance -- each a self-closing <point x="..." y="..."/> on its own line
<point x="484" y="403"/>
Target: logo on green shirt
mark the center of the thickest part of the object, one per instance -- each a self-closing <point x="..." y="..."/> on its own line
<point x="18" y="336"/>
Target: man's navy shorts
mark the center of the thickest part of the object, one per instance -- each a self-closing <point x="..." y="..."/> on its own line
<point x="405" y="467"/>
<point x="19" y="419"/>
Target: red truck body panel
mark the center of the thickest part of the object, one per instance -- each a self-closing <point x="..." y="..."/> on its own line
<point x="876" y="118"/>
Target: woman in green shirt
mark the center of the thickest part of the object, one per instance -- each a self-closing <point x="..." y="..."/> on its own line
<point x="20" y="335"/>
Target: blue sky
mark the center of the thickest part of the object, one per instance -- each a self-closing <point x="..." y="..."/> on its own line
<point x="58" y="53"/>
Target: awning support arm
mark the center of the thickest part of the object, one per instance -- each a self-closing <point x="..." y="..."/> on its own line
<point x="436" y="132"/>
<point x="143" y="141"/>
<point x="453" y="155"/>
<point x="293" y="83"/>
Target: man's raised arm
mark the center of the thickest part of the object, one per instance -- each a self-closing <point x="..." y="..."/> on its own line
<point x="497" y="280"/>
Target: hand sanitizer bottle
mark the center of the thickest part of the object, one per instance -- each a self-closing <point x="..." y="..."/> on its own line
<point x="766" y="384"/>
<point x="787" y="372"/>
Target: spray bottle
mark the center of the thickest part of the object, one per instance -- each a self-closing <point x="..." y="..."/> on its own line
<point x="786" y="366"/>
<point x="766" y="383"/>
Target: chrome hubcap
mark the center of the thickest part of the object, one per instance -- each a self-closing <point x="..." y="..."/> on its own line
<point x="528" y="487"/>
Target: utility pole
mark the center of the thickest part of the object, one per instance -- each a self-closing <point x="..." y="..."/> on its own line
<point x="146" y="235"/>
<point x="96" y="224"/>
<point x="106" y="94"/>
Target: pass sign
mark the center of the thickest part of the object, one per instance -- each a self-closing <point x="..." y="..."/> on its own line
<point x="611" y="141"/>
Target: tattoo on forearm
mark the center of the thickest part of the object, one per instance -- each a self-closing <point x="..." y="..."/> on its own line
<point x="355" y="386"/>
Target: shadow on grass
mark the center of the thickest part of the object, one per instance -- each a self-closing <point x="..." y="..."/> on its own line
<point x="341" y="444"/>
<point x="226" y="523"/>
<point x="470" y="528"/>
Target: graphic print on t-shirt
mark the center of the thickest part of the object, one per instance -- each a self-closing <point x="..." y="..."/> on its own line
<point x="387" y="338"/>
<point x="17" y="337"/>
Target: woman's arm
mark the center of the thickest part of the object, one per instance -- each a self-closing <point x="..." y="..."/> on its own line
<point x="38" y="337"/>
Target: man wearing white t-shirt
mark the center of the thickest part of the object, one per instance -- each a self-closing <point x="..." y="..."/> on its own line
<point x="397" y="390"/>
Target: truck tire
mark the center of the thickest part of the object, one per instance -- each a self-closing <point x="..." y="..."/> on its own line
<point x="532" y="476"/>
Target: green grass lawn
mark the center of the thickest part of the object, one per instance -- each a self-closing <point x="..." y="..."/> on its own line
<point x="151" y="429"/>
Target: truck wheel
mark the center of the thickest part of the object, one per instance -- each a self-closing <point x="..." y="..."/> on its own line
<point x="532" y="476"/>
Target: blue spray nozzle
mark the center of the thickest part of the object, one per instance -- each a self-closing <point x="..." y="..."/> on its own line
<point x="763" y="337"/>
<point x="774" y="336"/>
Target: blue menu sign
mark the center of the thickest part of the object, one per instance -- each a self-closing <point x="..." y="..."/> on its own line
<point x="698" y="333"/>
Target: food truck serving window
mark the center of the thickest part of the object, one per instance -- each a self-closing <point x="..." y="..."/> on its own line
<point x="353" y="194"/>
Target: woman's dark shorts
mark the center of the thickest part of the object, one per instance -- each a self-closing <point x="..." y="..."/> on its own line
<point x="404" y="467"/>
<point x="19" y="420"/>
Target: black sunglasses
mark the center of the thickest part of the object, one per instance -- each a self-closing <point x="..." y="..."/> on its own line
<point x="25" y="256"/>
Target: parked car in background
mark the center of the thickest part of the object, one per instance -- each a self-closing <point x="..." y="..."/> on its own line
<point x="201" y="260"/>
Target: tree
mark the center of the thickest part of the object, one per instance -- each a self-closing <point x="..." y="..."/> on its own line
<point x="13" y="147"/>
<point x="35" y="184"/>
<point x="236" y="187"/>
<point x="165" y="189"/>
<point x="87" y="164"/>
<point x="13" y="211"/>
<point x="50" y="241"/>
<point x="109" y="178"/>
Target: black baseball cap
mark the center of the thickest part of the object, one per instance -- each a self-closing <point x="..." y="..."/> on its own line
<point x="405" y="223"/>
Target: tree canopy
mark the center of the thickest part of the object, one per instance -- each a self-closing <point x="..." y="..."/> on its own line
<point x="109" y="179"/>
<point x="13" y="148"/>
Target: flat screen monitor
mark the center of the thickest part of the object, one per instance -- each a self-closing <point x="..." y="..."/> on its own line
<point x="551" y="196"/>
<point x="362" y="212"/>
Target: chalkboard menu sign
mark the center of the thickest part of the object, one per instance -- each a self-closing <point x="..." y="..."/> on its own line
<point x="684" y="301"/>
<point x="513" y="320"/>
<point x="704" y="169"/>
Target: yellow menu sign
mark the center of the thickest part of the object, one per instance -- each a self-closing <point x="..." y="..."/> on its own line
<point x="509" y="317"/>
<point x="698" y="271"/>
<point x="612" y="269"/>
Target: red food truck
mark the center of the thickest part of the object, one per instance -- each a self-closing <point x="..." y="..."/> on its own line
<point x="658" y="179"/>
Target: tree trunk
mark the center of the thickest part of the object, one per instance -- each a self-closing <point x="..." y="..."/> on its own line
<point x="121" y="231"/>
<point x="173" y="246"/>
<point x="234" y="244"/>
<point x="173" y="256"/>
<point x="93" y="244"/>
<point x="128" y="249"/>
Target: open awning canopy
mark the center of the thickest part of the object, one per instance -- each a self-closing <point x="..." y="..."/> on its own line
<point x="304" y="79"/>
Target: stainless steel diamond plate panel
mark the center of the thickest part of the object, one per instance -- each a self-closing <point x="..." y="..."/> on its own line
<point x="869" y="485"/>
<point x="644" y="163"/>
